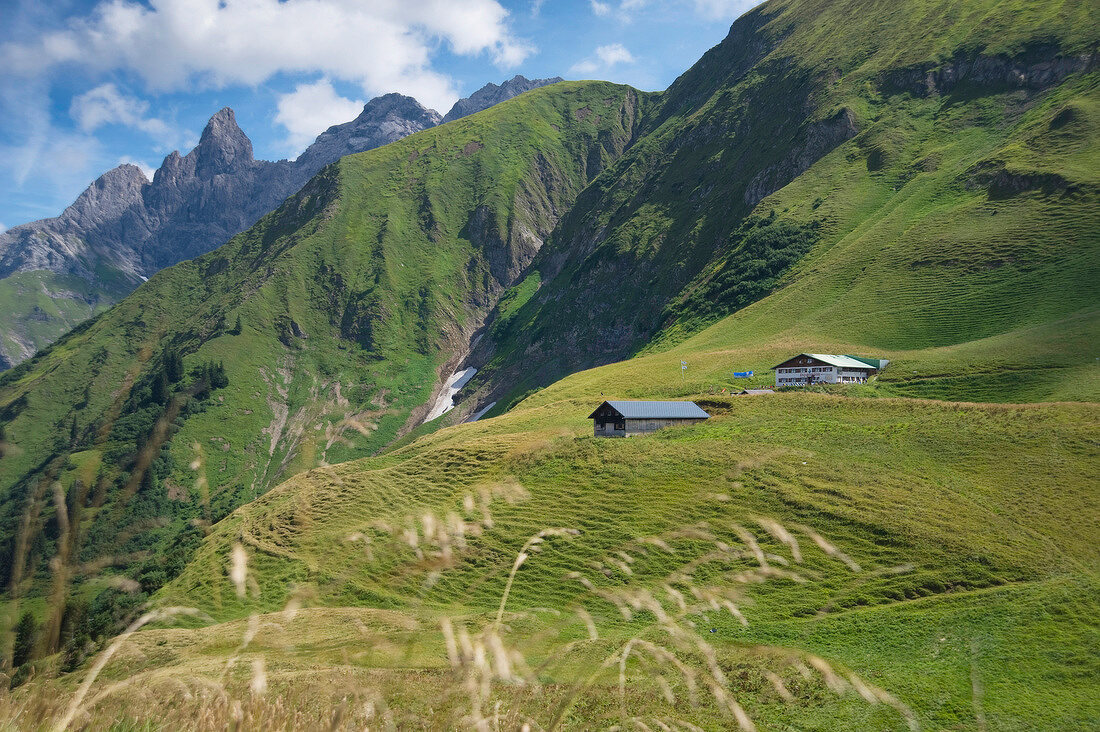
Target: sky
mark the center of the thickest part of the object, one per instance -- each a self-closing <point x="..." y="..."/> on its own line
<point x="90" y="84"/>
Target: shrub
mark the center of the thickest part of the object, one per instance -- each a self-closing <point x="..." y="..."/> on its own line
<point x="26" y="633"/>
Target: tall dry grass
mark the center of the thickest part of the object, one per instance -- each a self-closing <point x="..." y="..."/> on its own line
<point x="498" y="675"/>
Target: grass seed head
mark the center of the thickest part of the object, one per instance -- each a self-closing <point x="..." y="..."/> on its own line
<point x="258" y="685"/>
<point x="238" y="569"/>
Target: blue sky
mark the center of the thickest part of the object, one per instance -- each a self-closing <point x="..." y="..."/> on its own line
<point x="89" y="84"/>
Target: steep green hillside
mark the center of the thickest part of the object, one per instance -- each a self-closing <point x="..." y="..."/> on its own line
<point x="909" y="177"/>
<point x="318" y="335"/>
<point x="43" y="306"/>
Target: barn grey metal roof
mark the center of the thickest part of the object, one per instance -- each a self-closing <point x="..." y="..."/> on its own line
<point x="656" y="410"/>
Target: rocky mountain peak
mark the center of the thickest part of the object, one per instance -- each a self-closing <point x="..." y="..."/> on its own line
<point x="194" y="203"/>
<point x="110" y="195"/>
<point x="223" y="145"/>
<point x="394" y="104"/>
<point x="491" y="94"/>
<point x="383" y="120"/>
<point x="125" y="177"/>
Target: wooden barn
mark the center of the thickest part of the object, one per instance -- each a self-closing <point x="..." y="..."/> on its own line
<point x="825" y="368"/>
<point x="629" y="419"/>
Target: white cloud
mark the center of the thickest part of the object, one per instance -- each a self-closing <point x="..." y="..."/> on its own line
<point x="59" y="157"/>
<point x="512" y="55"/>
<point x="2" y="227"/>
<point x="311" y="109"/>
<point x="604" y="57"/>
<point x="613" y="54"/>
<point x="383" y="45"/>
<point x="106" y="105"/>
<point x="43" y="153"/>
<point x="584" y="68"/>
<point x="600" y="9"/>
<point x="624" y="11"/>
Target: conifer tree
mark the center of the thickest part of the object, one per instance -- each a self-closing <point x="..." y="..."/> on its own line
<point x="218" y="379"/>
<point x="160" y="388"/>
<point x="26" y="633"/>
<point x="173" y="366"/>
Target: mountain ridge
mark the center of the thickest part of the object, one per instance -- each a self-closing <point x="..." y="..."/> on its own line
<point x="669" y="186"/>
<point x="491" y="94"/>
<point x="393" y="287"/>
<point x="786" y="194"/>
<point x="123" y="227"/>
<point x="383" y="119"/>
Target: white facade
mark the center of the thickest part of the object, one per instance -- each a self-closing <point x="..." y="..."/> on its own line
<point x="803" y="375"/>
<point x="816" y="368"/>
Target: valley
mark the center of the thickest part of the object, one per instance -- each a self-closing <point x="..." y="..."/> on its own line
<point x="339" y="470"/>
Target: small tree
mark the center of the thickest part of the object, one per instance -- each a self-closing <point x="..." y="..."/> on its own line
<point x="26" y="633"/>
<point x="160" y="388"/>
<point x="173" y="366"/>
<point x="218" y="379"/>
<point x="236" y="327"/>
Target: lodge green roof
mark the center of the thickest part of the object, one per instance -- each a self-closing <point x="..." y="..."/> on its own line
<point x="845" y="362"/>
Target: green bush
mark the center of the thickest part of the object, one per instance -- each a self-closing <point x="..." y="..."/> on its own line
<point x="26" y="635"/>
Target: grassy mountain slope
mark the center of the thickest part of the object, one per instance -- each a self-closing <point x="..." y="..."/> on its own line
<point x="972" y="526"/>
<point x="44" y="306"/>
<point x="954" y="231"/>
<point x="916" y="182"/>
<point x="942" y="189"/>
<point x="331" y="319"/>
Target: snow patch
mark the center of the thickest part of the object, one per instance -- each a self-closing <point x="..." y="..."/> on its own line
<point x="445" y="402"/>
<point x="481" y="413"/>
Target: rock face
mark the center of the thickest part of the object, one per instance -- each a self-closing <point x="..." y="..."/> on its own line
<point x="817" y="139"/>
<point x="1040" y="67"/>
<point x="60" y="244"/>
<point x="383" y="120"/>
<point x="491" y="94"/>
<point x="124" y="228"/>
<point x="195" y="202"/>
<point x="201" y="199"/>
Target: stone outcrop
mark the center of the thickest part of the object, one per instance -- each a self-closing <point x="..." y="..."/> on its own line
<point x="1039" y="67"/>
<point x="491" y="94"/>
<point x="383" y="120"/>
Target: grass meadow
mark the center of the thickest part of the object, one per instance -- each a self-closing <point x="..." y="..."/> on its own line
<point x="919" y="552"/>
<point x="800" y="560"/>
